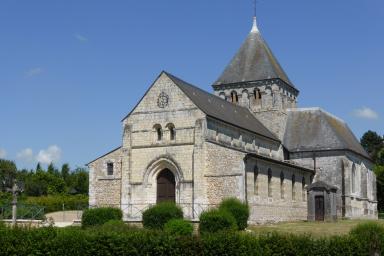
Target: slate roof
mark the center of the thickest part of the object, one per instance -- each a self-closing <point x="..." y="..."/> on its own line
<point x="316" y="130"/>
<point x="220" y="109"/>
<point x="254" y="61"/>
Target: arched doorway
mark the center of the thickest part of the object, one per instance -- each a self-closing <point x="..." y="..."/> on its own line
<point x="166" y="185"/>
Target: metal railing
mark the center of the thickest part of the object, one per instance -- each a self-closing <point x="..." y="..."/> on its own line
<point x="24" y="211"/>
<point x="135" y="211"/>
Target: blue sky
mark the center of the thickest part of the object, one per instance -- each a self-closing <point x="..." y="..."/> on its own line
<point x="70" y="70"/>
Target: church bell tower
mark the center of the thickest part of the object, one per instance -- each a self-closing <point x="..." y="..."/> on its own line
<point x="254" y="79"/>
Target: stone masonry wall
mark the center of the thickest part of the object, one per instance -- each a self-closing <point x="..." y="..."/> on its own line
<point x="239" y="139"/>
<point x="225" y="175"/>
<point x="104" y="189"/>
<point x="149" y="156"/>
<point x="330" y="166"/>
<point x="281" y="199"/>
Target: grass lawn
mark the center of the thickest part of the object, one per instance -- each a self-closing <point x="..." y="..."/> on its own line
<point x="316" y="229"/>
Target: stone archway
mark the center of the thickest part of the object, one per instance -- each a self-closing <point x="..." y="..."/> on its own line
<point x="166" y="186"/>
<point x="156" y="169"/>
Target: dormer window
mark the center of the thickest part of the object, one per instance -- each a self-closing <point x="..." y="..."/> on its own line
<point x="109" y="169"/>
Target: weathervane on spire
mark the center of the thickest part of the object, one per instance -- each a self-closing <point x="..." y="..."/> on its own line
<point x="254" y="8"/>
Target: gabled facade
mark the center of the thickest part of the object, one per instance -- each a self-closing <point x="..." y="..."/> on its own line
<point x="185" y="145"/>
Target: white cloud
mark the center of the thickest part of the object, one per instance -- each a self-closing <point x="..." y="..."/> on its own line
<point x="3" y="153"/>
<point x="26" y="155"/>
<point x="366" y="113"/>
<point x="81" y="38"/>
<point x="49" y="155"/>
<point x="34" y="71"/>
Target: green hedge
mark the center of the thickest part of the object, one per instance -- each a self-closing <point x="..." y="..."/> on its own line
<point x="156" y="216"/>
<point x="55" y="203"/>
<point x="216" y="220"/>
<point x="238" y="209"/>
<point x="100" y="216"/>
<point x="115" y="226"/>
<point x="371" y="232"/>
<point x="179" y="227"/>
<point x="77" y="241"/>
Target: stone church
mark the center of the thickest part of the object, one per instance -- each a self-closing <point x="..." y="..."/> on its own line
<point x="247" y="140"/>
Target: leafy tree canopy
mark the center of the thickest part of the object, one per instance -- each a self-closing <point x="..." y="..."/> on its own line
<point x="372" y="143"/>
<point x="40" y="182"/>
<point x="8" y="172"/>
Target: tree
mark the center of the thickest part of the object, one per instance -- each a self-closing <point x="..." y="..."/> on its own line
<point x="8" y="173"/>
<point x="36" y="184"/>
<point x="38" y="167"/>
<point x="65" y="173"/>
<point x="81" y="181"/>
<point x="372" y="143"/>
<point x="52" y="170"/>
<point x="379" y="172"/>
<point x="380" y="157"/>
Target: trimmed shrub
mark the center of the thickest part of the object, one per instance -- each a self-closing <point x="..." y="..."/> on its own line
<point x="216" y="220"/>
<point x="370" y="235"/>
<point x="238" y="209"/>
<point x="115" y="226"/>
<point x="99" y="216"/>
<point x="179" y="227"/>
<point x="156" y="216"/>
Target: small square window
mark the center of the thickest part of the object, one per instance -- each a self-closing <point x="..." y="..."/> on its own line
<point x="110" y="168"/>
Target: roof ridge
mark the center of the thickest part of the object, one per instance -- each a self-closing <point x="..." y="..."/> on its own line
<point x="251" y="124"/>
<point x="316" y="129"/>
<point x="209" y="94"/>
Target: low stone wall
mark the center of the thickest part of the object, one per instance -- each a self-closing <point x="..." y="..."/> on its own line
<point x="25" y="223"/>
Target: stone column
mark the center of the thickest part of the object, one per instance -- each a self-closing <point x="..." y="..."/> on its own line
<point x="198" y="180"/>
<point x="126" y="171"/>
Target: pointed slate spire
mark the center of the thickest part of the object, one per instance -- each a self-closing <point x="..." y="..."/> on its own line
<point x="254" y="61"/>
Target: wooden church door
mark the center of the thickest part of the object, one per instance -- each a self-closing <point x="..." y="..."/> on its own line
<point x="166" y="186"/>
<point x="319" y="208"/>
